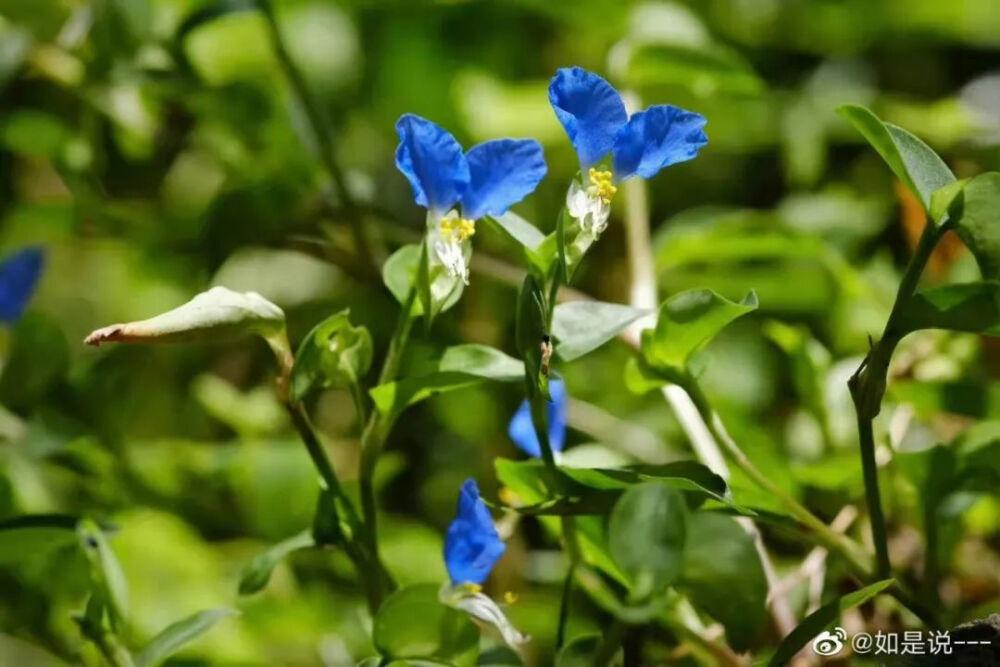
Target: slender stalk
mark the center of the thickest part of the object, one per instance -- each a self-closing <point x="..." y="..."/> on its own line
<point x="320" y="126"/>
<point x="567" y="591"/>
<point x="868" y="385"/>
<point x="112" y="650"/>
<point x="375" y="432"/>
<point x="611" y="641"/>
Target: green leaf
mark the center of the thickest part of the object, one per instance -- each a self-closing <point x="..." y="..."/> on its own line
<point x="688" y="321"/>
<point x="400" y="271"/>
<point x="29" y="537"/>
<point x="646" y="533"/>
<point x="14" y="651"/>
<point x="36" y="361"/>
<point x="176" y="635"/>
<point x="911" y="160"/>
<point x="531" y="332"/>
<point x="333" y="354"/>
<point x="582" y="326"/>
<point x="217" y="315"/>
<point x="580" y="652"/>
<point x="460" y="366"/>
<point x="971" y="307"/>
<point x="817" y="621"/>
<point x="106" y="572"/>
<point x="257" y="572"/>
<point x="413" y="623"/>
<point x="707" y="68"/>
<point x="974" y="211"/>
<point x="518" y="230"/>
<point x="723" y="577"/>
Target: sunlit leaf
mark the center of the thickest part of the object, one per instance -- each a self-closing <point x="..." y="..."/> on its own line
<point x="911" y="160"/>
<point x="175" y="636"/>
<point x="257" y="572"/>
<point x="973" y="209"/>
<point x="582" y="326"/>
<point x="413" y="623"/>
<point x="820" y="619"/>
<point x="646" y="534"/>
<point x="518" y="230"/>
<point x="460" y="366"/>
<point x="217" y="315"/>
<point x="333" y="354"/>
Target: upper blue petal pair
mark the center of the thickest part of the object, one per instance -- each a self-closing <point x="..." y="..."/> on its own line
<point x="489" y="179"/>
<point x="522" y="430"/>
<point x="472" y="545"/>
<point x="19" y="274"/>
<point x="594" y="116"/>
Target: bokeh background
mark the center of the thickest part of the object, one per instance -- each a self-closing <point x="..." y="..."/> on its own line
<point x="154" y="149"/>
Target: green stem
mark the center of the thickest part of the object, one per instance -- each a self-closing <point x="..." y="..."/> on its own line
<point x="377" y="429"/>
<point x="320" y="126"/>
<point x="567" y="591"/>
<point x="611" y="641"/>
<point x="868" y="386"/>
<point x="112" y="650"/>
<point x="823" y="533"/>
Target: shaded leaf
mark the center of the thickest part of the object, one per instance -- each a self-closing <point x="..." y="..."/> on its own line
<point x="333" y="354"/>
<point x="257" y="572"/>
<point x="413" y="623"/>
<point x="973" y="208"/>
<point x="582" y="326"/>
<point x="971" y="307"/>
<point x="817" y="621"/>
<point x="723" y="577"/>
<point x="176" y="635"/>
<point x="531" y="333"/>
<point x="646" y="533"/>
<point x="219" y="314"/>
<point x="910" y="159"/>
<point x="29" y="537"/>
<point x="580" y="652"/>
<point x="106" y="572"/>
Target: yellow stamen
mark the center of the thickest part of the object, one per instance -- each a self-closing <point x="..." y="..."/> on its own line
<point x="458" y="229"/>
<point x="601" y="185"/>
<point x="507" y="496"/>
<point x="469" y="587"/>
<point x="510" y="597"/>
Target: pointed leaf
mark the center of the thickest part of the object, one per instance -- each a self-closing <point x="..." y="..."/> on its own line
<point x="646" y="533"/>
<point x="333" y="354"/>
<point x="911" y="160"/>
<point x="257" y="572"/>
<point x="820" y="619"/>
<point x="518" y="230"/>
<point x="219" y="314"/>
<point x="582" y="326"/>
<point x="688" y="321"/>
<point x="175" y="636"/>
<point x="971" y="307"/>
<point x="460" y="366"/>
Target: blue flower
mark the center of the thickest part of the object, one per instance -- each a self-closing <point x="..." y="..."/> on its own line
<point x="522" y="430"/>
<point x="594" y="117"/>
<point x="471" y="546"/>
<point x="19" y="274"/>
<point x="456" y="188"/>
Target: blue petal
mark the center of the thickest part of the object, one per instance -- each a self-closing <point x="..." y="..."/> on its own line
<point x="501" y="173"/>
<point x="522" y="430"/>
<point x="590" y="110"/>
<point x="18" y="275"/>
<point x="433" y="162"/>
<point x="471" y="546"/>
<point x="656" y="138"/>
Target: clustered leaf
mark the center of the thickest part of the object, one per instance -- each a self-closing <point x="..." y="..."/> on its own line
<point x="333" y="354"/>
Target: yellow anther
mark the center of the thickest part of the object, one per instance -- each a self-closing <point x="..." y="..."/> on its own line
<point x="601" y="185"/>
<point x="469" y="587"/>
<point x="507" y="496"/>
<point x="510" y="597"/>
<point x="458" y="229"/>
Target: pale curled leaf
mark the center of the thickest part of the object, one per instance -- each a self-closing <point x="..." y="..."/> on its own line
<point x="176" y="635"/>
<point x="219" y="314"/>
<point x="333" y="354"/>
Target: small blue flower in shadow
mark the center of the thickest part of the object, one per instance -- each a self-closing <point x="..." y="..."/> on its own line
<point x="472" y="545"/>
<point x="457" y="188"/>
<point x="522" y="430"/>
<point x="594" y="117"/>
<point x="19" y="274"/>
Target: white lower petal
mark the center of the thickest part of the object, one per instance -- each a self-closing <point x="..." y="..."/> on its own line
<point x="452" y="257"/>
<point x="483" y="608"/>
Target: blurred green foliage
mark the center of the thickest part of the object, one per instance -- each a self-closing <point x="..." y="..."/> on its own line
<point x="154" y="148"/>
